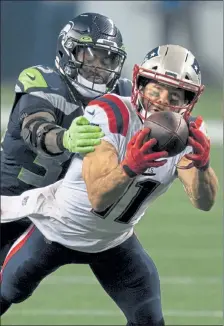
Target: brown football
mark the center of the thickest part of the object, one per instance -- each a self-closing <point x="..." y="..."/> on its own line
<point x="170" y="130"/>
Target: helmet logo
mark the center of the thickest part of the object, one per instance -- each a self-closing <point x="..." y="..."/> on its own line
<point x="195" y="66"/>
<point x="69" y="44"/>
<point x="68" y="70"/>
<point x="86" y="39"/>
<point x="151" y="54"/>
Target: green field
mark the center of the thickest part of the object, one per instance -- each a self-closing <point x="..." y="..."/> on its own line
<point x="186" y="245"/>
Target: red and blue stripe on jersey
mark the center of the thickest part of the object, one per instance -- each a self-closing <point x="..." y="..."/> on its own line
<point x="116" y="111"/>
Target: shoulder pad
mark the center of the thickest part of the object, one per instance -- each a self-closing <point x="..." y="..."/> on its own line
<point x="116" y="111"/>
<point x="38" y="78"/>
<point x="30" y="78"/>
<point x="124" y="87"/>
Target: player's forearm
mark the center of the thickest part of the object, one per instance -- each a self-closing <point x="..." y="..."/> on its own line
<point x="53" y="141"/>
<point x="108" y="189"/>
<point x="42" y="134"/>
<point x="104" y="177"/>
<point x="202" y="188"/>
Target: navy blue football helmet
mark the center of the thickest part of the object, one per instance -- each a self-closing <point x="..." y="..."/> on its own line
<point x="90" y="54"/>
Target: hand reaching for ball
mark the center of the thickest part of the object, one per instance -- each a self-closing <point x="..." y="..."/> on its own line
<point x="140" y="156"/>
<point x="201" y="148"/>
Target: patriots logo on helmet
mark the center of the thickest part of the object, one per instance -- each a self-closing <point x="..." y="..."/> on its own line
<point x="151" y="54"/>
<point x="196" y="66"/>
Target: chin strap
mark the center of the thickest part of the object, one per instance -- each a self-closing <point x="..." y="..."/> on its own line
<point x="89" y="85"/>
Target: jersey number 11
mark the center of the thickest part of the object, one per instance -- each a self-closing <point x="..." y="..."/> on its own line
<point x="144" y="189"/>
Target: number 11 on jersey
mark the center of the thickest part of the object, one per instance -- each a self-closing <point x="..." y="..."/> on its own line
<point x="144" y="189"/>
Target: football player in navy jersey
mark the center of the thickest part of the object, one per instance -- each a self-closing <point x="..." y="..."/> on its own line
<point x="46" y="125"/>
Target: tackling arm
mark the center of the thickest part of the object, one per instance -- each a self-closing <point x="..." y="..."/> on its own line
<point x="200" y="186"/>
<point x="39" y="119"/>
<point x="41" y="133"/>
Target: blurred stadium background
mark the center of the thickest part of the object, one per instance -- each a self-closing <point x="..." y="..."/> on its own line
<point x="185" y="243"/>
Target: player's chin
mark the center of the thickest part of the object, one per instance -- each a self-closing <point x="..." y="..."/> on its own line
<point x="153" y="109"/>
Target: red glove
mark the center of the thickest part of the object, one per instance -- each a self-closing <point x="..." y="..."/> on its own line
<point x="139" y="157"/>
<point x="201" y="148"/>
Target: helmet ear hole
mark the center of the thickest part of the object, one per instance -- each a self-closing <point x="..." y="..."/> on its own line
<point x="61" y="53"/>
<point x="189" y="96"/>
<point x="154" y="68"/>
<point x="142" y="81"/>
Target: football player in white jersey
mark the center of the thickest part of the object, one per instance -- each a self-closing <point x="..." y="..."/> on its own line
<point x="88" y="217"/>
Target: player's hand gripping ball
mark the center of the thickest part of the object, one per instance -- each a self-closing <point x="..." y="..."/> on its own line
<point x="140" y="156"/>
<point x="170" y="130"/>
<point x="201" y="148"/>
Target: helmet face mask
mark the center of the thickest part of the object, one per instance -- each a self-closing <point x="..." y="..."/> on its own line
<point x="100" y="66"/>
<point x="189" y="86"/>
<point x="89" y="56"/>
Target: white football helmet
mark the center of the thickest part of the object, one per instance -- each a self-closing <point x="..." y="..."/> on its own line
<point x="171" y="65"/>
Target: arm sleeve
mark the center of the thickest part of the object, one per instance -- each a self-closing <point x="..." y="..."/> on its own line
<point x="29" y="104"/>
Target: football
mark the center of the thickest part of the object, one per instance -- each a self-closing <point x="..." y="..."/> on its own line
<point x="170" y="130"/>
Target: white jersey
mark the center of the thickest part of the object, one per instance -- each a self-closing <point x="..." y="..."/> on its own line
<point x="68" y="216"/>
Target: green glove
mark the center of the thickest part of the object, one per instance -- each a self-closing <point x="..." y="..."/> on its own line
<point x="81" y="137"/>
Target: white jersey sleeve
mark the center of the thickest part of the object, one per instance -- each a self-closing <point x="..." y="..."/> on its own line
<point x="31" y="201"/>
<point x="112" y="115"/>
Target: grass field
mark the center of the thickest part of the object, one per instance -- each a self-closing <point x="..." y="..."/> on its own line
<point x="186" y="245"/>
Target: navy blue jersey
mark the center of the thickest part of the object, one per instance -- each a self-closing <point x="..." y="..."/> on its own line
<point x="39" y="89"/>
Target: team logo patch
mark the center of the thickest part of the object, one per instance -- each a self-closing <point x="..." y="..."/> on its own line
<point x="196" y="66"/>
<point x="32" y="77"/>
<point x="151" y="54"/>
<point x="24" y="201"/>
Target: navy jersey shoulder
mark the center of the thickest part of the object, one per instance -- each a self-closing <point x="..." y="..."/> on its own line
<point x="43" y="84"/>
<point x="38" y="89"/>
<point x="40" y="78"/>
<point x="42" y="89"/>
<point x="123" y="87"/>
